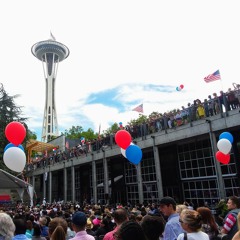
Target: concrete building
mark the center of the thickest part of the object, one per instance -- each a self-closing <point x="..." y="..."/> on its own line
<point x="176" y="162"/>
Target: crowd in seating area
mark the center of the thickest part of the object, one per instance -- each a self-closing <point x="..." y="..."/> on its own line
<point x="148" y="221"/>
<point x="156" y="122"/>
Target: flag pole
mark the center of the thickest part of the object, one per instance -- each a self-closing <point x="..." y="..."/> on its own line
<point x="221" y="81"/>
<point x="99" y="131"/>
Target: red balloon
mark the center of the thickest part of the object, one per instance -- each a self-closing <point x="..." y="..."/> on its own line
<point x="123" y="139"/>
<point x="15" y="132"/>
<point x="223" y="158"/>
<point x="181" y="86"/>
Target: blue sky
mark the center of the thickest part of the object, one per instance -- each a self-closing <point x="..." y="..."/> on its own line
<point x="122" y="54"/>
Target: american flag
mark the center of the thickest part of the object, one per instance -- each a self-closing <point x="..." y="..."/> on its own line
<point x="213" y="77"/>
<point x="139" y="108"/>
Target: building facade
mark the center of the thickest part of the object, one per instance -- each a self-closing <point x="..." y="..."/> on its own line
<point x="178" y="162"/>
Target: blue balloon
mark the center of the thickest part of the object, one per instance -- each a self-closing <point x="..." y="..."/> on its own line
<point x="134" y="154"/>
<point x="12" y="145"/>
<point x="21" y="147"/>
<point x="227" y="136"/>
<point x="8" y="146"/>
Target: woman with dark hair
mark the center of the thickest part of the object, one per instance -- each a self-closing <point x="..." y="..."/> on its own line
<point x="57" y="229"/>
<point x="191" y="222"/>
<point x="209" y="225"/>
<point x="130" y="230"/>
<point x="37" y="233"/>
<point x="29" y="231"/>
<point x="103" y="229"/>
<point x="20" y="230"/>
<point x="153" y="226"/>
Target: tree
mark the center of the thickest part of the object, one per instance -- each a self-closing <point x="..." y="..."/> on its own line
<point x="113" y="129"/>
<point x="9" y="112"/>
<point x="75" y="132"/>
<point x="89" y="134"/>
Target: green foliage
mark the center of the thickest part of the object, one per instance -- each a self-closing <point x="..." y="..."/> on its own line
<point x="89" y="134"/>
<point x="31" y="135"/>
<point x="76" y="132"/>
<point x="9" y="112"/>
<point x="141" y="119"/>
<point x="114" y="128"/>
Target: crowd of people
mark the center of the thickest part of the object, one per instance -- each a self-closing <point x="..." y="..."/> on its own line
<point x="156" y="122"/>
<point x="164" y="221"/>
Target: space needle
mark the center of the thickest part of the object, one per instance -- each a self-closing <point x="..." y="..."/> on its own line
<point x="50" y="52"/>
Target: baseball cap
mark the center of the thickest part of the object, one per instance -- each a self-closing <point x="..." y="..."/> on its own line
<point x="79" y="218"/>
<point x="167" y="201"/>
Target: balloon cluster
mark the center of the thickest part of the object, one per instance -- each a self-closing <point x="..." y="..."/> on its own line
<point x="14" y="156"/>
<point x="180" y="88"/>
<point x="224" y="146"/>
<point x="120" y="125"/>
<point x="82" y="139"/>
<point x="128" y="149"/>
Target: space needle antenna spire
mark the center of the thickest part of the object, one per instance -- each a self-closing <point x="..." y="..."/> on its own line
<point x="50" y="53"/>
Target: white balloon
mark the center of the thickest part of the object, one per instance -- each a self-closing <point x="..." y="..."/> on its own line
<point x="224" y="145"/>
<point x="15" y="159"/>
<point x="123" y="151"/>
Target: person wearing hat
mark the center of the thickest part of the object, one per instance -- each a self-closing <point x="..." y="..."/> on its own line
<point x="173" y="227"/>
<point x="79" y="222"/>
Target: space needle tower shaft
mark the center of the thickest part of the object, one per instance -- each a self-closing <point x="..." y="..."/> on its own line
<point x="50" y="53"/>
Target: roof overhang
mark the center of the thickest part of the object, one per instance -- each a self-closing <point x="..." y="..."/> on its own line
<point x="34" y="145"/>
<point x="9" y="181"/>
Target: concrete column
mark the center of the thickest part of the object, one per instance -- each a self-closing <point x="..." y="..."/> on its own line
<point x="106" y="178"/>
<point x="33" y="182"/>
<point x="44" y="183"/>
<point x="94" y="180"/>
<point x="158" y="170"/>
<point x="220" y="181"/>
<point x="73" y="182"/>
<point x="140" y="183"/>
<point x="65" y="183"/>
<point x="50" y="186"/>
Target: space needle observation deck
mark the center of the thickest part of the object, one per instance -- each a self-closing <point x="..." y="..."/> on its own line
<point x="50" y="53"/>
